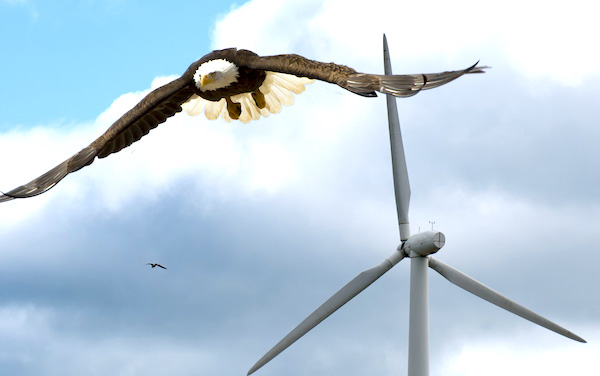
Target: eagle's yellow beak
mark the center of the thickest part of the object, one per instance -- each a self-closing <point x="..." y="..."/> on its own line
<point x="206" y="80"/>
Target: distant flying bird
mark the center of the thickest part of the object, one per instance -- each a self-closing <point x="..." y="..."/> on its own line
<point x="155" y="265"/>
<point x="237" y="85"/>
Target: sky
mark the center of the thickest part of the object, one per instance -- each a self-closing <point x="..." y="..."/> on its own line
<point x="260" y="223"/>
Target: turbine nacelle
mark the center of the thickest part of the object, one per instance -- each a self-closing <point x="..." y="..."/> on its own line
<point x="423" y="244"/>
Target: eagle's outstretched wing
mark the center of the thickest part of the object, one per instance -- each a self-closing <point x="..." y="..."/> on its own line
<point x="154" y="109"/>
<point x="403" y="85"/>
<point x="166" y="101"/>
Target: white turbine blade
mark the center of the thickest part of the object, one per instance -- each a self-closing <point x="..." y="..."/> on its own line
<point x="477" y="288"/>
<point x="401" y="183"/>
<point x="343" y="296"/>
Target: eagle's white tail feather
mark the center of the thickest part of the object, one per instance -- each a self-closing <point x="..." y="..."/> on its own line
<point x="225" y="115"/>
<point x="265" y="88"/>
<point x="283" y="95"/>
<point x="250" y="110"/>
<point x="272" y="105"/>
<point x="212" y="109"/>
<point x="194" y="106"/>
<point x="254" y="110"/>
<point x="277" y="89"/>
<point x="290" y="82"/>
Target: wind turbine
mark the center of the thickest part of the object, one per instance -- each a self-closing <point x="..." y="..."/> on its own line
<point x="419" y="249"/>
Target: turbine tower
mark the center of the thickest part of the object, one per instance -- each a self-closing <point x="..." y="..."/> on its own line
<point x="419" y="249"/>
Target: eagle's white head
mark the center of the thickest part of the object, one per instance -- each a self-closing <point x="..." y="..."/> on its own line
<point x="215" y="74"/>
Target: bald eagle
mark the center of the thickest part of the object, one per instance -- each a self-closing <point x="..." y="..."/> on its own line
<point x="237" y="85"/>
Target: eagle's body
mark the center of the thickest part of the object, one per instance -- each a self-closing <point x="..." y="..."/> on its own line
<point x="237" y="85"/>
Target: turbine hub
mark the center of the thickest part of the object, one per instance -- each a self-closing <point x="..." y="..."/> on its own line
<point x="424" y="244"/>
